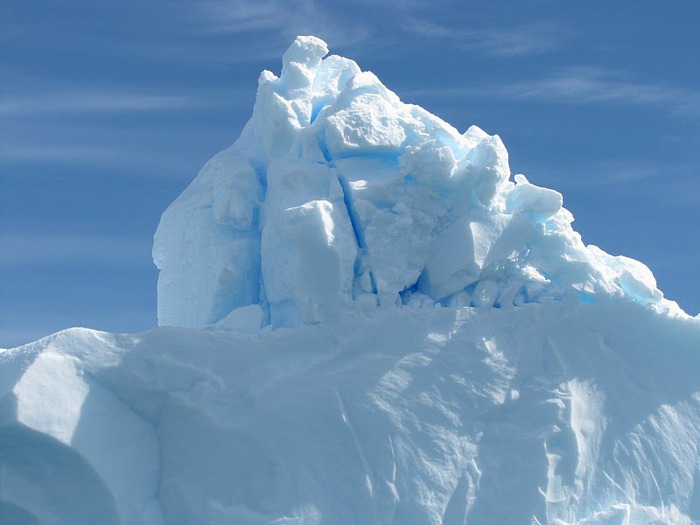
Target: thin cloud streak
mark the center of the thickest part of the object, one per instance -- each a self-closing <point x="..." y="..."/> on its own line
<point x="581" y="86"/>
<point x="518" y="41"/>
<point x="286" y="19"/>
<point x="251" y="16"/>
<point x="104" y="159"/>
<point x="631" y="172"/>
<point x="589" y="86"/>
<point x="628" y="175"/>
<point x="59" y="154"/>
<point x="95" y="103"/>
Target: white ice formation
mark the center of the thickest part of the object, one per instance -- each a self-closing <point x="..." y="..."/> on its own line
<point x="338" y="196"/>
<point x="374" y="326"/>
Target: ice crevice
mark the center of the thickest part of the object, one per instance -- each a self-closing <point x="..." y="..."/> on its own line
<point x="360" y="266"/>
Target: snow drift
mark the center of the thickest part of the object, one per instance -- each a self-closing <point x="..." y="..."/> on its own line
<point x="369" y="322"/>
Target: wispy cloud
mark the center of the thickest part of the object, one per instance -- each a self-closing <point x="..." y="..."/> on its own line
<point x="154" y="162"/>
<point x="589" y="85"/>
<point x="37" y="153"/>
<point x="581" y="86"/>
<point x="94" y="102"/>
<point x="629" y="172"/>
<point x="665" y="184"/>
<point x="249" y="16"/>
<point x="516" y="41"/>
<point x="284" y="18"/>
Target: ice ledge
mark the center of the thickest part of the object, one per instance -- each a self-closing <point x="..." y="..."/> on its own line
<point x="338" y="196"/>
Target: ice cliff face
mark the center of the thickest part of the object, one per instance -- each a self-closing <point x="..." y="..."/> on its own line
<point x="397" y="334"/>
<point x="338" y="196"/>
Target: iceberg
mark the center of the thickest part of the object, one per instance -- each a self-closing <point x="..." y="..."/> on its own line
<point x="339" y="197"/>
<point x="364" y="319"/>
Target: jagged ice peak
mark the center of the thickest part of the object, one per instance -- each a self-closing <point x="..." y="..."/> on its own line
<point x="340" y="198"/>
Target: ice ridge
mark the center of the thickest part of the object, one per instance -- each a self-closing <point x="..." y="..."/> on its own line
<point x="339" y="197"/>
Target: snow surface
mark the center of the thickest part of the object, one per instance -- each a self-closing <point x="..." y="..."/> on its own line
<point x="558" y="413"/>
<point x="370" y="323"/>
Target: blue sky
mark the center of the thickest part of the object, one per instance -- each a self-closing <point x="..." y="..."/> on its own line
<point x="109" y="109"/>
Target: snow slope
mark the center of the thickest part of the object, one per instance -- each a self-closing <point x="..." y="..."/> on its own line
<point x="370" y="324"/>
<point x="556" y="413"/>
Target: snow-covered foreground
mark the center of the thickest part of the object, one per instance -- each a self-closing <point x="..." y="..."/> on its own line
<point x="544" y="413"/>
<point x="370" y="323"/>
